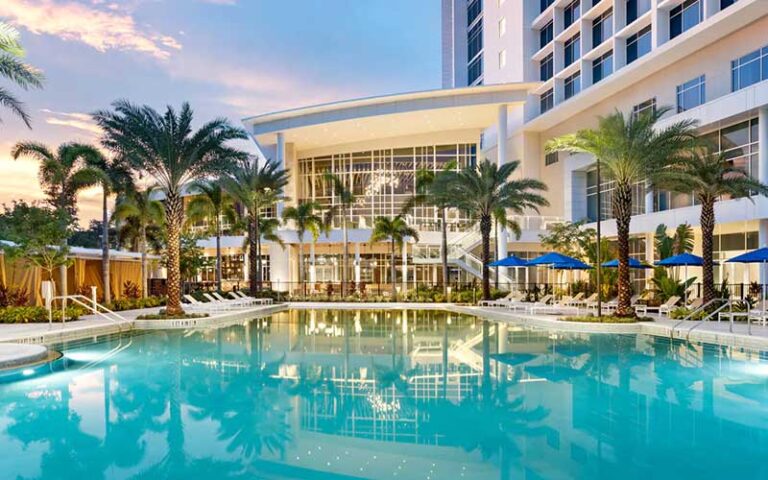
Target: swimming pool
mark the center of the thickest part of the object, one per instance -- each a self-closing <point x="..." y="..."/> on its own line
<point x="388" y="394"/>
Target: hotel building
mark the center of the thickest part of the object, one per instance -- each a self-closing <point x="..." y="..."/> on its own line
<point x="517" y="73"/>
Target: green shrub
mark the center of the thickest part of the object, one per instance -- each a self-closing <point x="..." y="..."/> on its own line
<point x="163" y="316"/>
<point x="136" y="303"/>
<point x="604" y="319"/>
<point x="37" y="314"/>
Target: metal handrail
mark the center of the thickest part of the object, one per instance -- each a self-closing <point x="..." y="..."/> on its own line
<point x="728" y="303"/>
<point x="694" y="312"/>
<point x="89" y="304"/>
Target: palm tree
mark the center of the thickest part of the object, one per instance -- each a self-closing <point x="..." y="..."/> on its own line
<point x="63" y="174"/>
<point x="170" y="151"/>
<point x="426" y="195"/>
<point x="211" y="202"/>
<point x="116" y="177"/>
<point x="485" y="192"/>
<point x="345" y="198"/>
<point x="708" y="176"/>
<point x="257" y="188"/>
<point x="14" y="69"/>
<point x="630" y="149"/>
<point x="395" y="230"/>
<point x="142" y="213"/>
<point x="305" y="220"/>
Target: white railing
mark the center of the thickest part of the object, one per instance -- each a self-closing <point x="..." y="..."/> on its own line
<point x="89" y="304"/>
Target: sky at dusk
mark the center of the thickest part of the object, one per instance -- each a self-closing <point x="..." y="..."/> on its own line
<point x="232" y="58"/>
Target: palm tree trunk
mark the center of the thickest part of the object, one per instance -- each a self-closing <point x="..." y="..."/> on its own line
<point x="143" y="262"/>
<point x="174" y="214"/>
<point x="345" y="255"/>
<point x="392" y="269"/>
<point x="444" y="251"/>
<point x="707" y="233"/>
<point x="257" y="234"/>
<point x="622" y="211"/>
<point x="252" y="254"/>
<point x="485" y="233"/>
<point x="218" y="254"/>
<point x="105" y="247"/>
<point x="301" y="264"/>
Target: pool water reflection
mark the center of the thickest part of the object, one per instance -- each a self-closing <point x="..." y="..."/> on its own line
<point x="388" y="394"/>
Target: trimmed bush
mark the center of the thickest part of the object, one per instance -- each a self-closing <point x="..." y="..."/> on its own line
<point x="605" y="319"/>
<point x="37" y="314"/>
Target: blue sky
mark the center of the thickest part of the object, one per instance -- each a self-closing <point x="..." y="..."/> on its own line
<point x="230" y="58"/>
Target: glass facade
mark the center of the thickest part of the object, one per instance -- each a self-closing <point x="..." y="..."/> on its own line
<point x="546" y="34"/>
<point x="685" y="16"/>
<point x="544" y="4"/>
<point x="749" y="69"/>
<point x="572" y="85"/>
<point x="638" y="44"/>
<point x="602" y="67"/>
<point x="571" y="13"/>
<point x="636" y="8"/>
<point x="602" y="28"/>
<point x="572" y="49"/>
<point x="382" y="180"/>
<point x="474" y="42"/>
<point x="691" y="94"/>
<point x="546" y="68"/>
<point x="606" y="195"/>
<point x="546" y="101"/>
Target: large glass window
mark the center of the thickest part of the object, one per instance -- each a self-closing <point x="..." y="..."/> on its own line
<point x="382" y="180"/>
<point x="602" y="67"/>
<point x="544" y="4"/>
<point x="474" y="9"/>
<point x="546" y="101"/>
<point x="571" y="13"/>
<point x="726" y="3"/>
<point x="691" y="94"/>
<point x="546" y="68"/>
<point x="646" y="106"/>
<point x="636" y="8"/>
<point x="475" y="70"/>
<point x="546" y="34"/>
<point x="684" y="17"/>
<point x="602" y="28"/>
<point x="572" y="85"/>
<point x="749" y="69"/>
<point x="572" y="49"/>
<point x="639" y="44"/>
<point x="606" y="195"/>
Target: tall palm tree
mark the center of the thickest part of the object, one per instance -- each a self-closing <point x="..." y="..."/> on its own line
<point x="142" y="212"/>
<point x="345" y="198"/>
<point x="116" y="178"/>
<point x="173" y="154"/>
<point x="485" y="192"/>
<point x="708" y="176"/>
<point x="14" y="69"/>
<point x="257" y="188"/>
<point x="630" y="149"/>
<point x="211" y="203"/>
<point x="63" y="173"/>
<point x="305" y="220"/>
<point x="426" y="195"/>
<point x="395" y="230"/>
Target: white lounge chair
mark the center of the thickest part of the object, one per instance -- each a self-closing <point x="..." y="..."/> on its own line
<point x="258" y="301"/>
<point x="662" y="309"/>
<point x="227" y="303"/>
<point x="526" y="306"/>
<point x="239" y="301"/>
<point x="563" y="306"/>
<point x="195" y="304"/>
<point x="512" y="297"/>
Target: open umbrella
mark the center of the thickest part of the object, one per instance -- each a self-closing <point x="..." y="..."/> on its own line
<point x="683" y="260"/>
<point x="510" y="261"/>
<point x="633" y="263"/>
<point x="552" y="258"/>
<point x="755" y="256"/>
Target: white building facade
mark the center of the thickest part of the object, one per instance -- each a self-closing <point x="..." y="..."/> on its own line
<point x="517" y="73"/>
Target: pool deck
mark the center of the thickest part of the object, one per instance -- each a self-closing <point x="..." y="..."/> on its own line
<point x="91" y="325"/>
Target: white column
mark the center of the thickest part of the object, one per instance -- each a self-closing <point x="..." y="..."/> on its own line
<point x="280" y="154"/>
<point x="648" y="198"/>
<point x="501" y="244"/>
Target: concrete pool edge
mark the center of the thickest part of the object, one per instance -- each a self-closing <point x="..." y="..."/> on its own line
<point x="76" y="330"/>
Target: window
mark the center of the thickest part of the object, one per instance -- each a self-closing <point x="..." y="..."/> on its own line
<point x="544" y="4"/>
<point x="546" y="68"/>
<point x="636" y="8"/>
<point x="691" y="94"/>
<point x="749" y="69"/>
<point x="606" y="195"/>
<point x="502" y="27"/>
<point x="646" y="106"/>
<point x="572" y="49"/>
<point x="546" y="34"/>
<point x="546" y="101"/>
<point x="684" y="17"/>
<point x="638" y="44"/>
<point x="474" y="9"/>
<point x="551" y="158"/>
<point x="602" y="67"/>
<point x="474" y="41"/>
<point x="602" y="28"/>
<point x="502" y="59"/>
<point x="571" y="13"/>
<point x="726" y="3"/>
<point x="475" y="71"/>
<point x="572" y="85"/>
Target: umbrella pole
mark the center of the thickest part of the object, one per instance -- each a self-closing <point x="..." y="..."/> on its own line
<point x="685" y="287"/>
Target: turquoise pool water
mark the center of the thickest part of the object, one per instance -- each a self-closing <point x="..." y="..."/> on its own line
<point x="397" y="394"/>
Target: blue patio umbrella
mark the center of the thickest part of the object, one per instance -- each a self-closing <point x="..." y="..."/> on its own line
<point x="552" y="258"/>
<point x="683" y="260"/>
<point x="510" y="261"/>
<point x="633" y="263"/>
<point x="575" y="265"/>
<point x="755" y="256"/>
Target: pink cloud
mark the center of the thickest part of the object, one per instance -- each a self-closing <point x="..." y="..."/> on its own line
<point x="102" y="27"/>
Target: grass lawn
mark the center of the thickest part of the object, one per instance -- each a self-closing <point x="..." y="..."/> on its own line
<point x="163" y="316"/>
<point x="605" y="319"/>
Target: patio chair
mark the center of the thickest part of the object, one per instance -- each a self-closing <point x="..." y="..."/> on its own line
<point x="511" y="297"/>
<point x="194" y="304"/>
<point x="238" y="301"/>
<point x="230" y="303"/>
<point x="258" y="301"/>
<point x="582" y="302"/>
<point x="563" y="306"/>
<point x="662" y="309"/>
